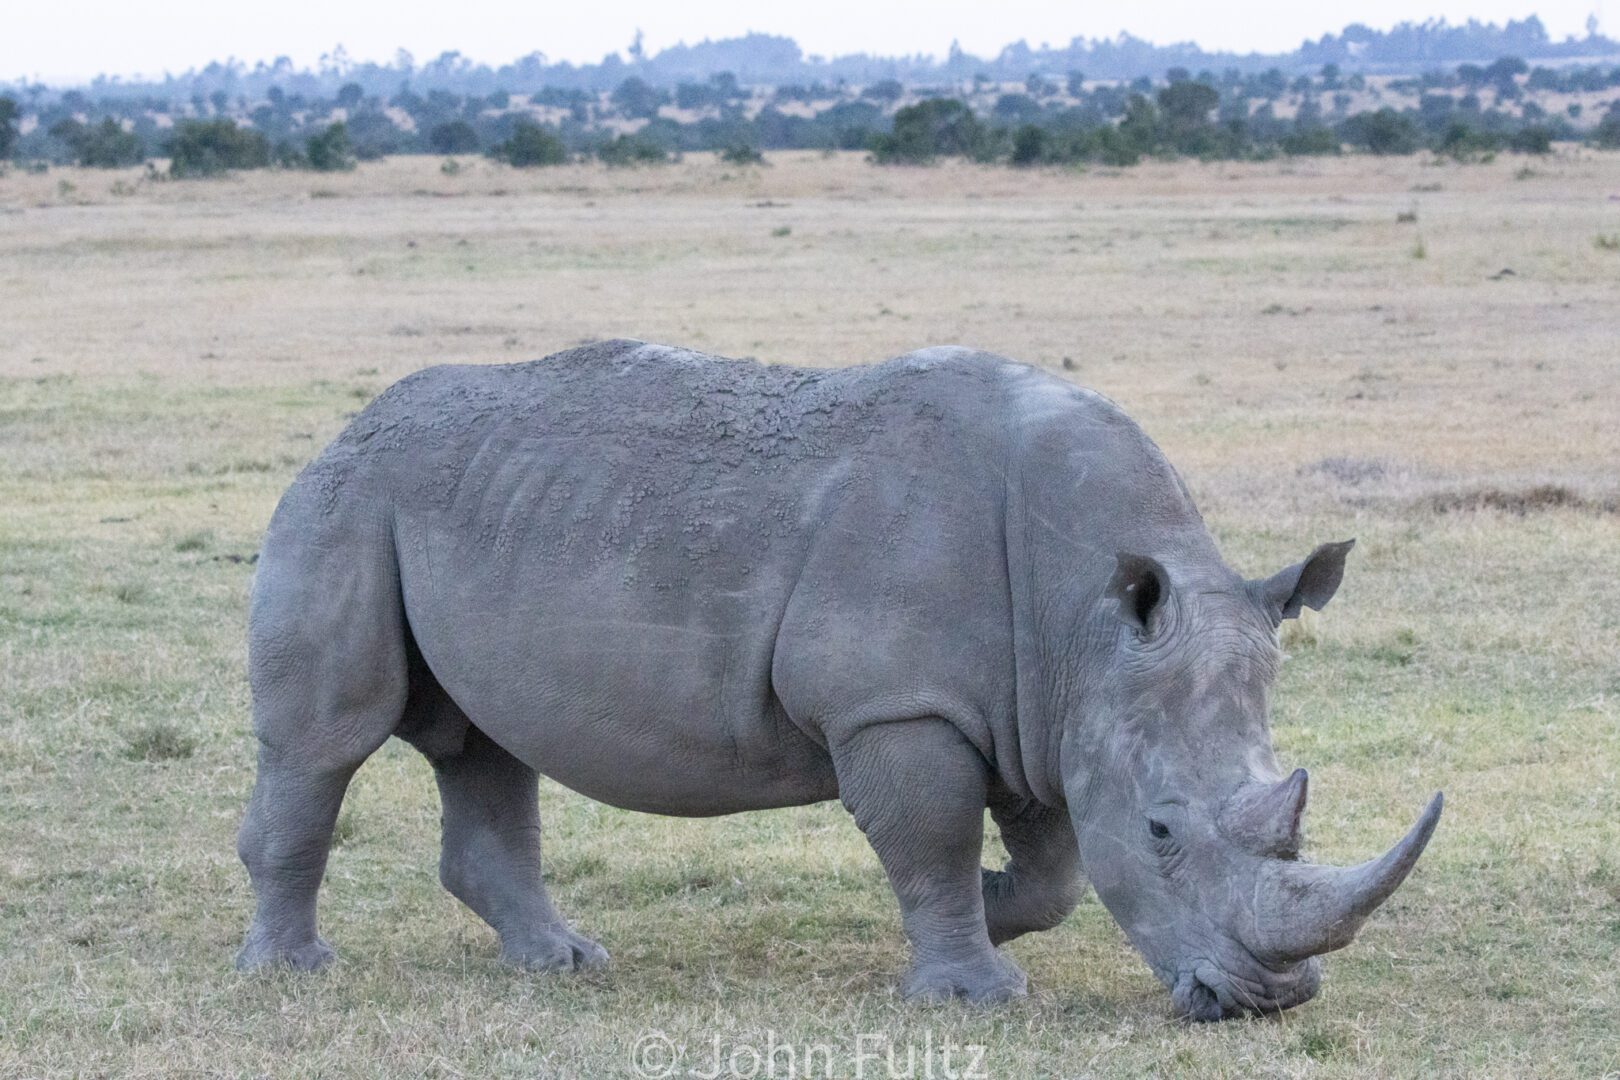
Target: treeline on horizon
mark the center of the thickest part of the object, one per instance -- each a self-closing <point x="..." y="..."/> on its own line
<point x="772" y="60"/>
<point x="1046" y="121"/>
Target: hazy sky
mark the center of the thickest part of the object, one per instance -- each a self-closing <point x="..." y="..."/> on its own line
<point x="69" y="40"/>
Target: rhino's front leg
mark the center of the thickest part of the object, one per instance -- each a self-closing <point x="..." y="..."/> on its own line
<point x="1041" y="882"/>
<point x="917" y="790"/>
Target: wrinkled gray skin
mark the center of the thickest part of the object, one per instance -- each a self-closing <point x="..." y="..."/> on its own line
<point x="694" y="586"/>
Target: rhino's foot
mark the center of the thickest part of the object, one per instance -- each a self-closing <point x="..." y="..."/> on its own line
<point x="991" y="979"/>
<point x="552" y="948"/>
<point x="260" y="952"/>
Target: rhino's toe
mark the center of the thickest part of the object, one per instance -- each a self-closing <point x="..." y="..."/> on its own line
<point x="259" y="952"/>
<point x="553" y="949"/>
<point x="988" y="981"/>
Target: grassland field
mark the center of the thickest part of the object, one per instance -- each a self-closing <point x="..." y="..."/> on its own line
<point x="1424" y="356"/>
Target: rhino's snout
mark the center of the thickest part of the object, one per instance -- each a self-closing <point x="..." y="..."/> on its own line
<point x="1194" y="1000"/>
<point x="1207" y="993"/>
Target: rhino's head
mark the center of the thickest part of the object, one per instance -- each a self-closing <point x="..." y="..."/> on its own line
<point x="1188" y="830"/>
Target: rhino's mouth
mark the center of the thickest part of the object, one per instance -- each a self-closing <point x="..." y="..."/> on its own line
<point x="1204" y="992"/>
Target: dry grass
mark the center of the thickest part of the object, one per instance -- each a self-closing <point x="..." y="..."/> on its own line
<point x="174" y="351"/>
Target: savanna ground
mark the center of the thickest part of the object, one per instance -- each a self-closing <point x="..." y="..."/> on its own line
<point x="1447" y="389"/>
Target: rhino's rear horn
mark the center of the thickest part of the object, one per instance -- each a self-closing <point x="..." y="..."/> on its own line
<point x="1302" y="910"/>
<point x="1267" y="820"/>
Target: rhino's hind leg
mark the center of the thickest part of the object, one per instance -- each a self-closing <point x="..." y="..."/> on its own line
<point x="1041" y="883"/>
<point x="326" y="659"/>
<point x="491" y="852"/>
<point x="917" y="790"/>
<point x="284" y="841"/>
<point x="315" y="729"/>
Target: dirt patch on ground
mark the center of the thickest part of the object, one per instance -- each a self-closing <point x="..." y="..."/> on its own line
<point x="1521" y="502"/>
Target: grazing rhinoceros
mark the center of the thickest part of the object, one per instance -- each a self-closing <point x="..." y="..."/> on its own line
<point x="693" y="586"/>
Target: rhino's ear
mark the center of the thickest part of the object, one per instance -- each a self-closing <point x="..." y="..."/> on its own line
<point x="1310" y="584"/>
<point x="1141" y="586"/>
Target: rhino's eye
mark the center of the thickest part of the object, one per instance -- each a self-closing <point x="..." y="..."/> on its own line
<point x="1158" y="830"/>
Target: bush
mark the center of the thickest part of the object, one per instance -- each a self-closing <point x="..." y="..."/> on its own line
<point x="211" y="147"/>
<point x="530" y="145"/>
<point x="632" y="150"/>
<point x="454" y="137"/>
<point x="100" y="146"/>
<point x="1463" y="143"/>
<point x="742" y="153"/>
<point x="329" y="150"/>
<point x="1313" y="141"/>
<point x="1531" y="140"/>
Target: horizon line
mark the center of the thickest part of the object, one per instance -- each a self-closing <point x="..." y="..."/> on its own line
<point x="627" y="58"/>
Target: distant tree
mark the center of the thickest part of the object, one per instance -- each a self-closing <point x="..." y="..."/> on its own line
<point x="1607" y="132"/>
<point x="1016" y="109"/>
<point x="100" y="146"/>
<point x="350" y="95"/>
<point x="929" y="129"/>
<point x="636" y="98"/>
<point x="1184" y="107"/>
<point x="692" y="96"/>
<point x="211" y="147"/>
<point x="1076" y="84"/>
<point x="530" y="145"/>
<point x="1383" y="132"/>
<point x="1271" y="83"/>
<point x="1188" y="104"/>
<point x="220" y="100"/>
<point x="1029" y="146"/>
<point x="1038" y="86"/>
<point x="9" y="115"/>
<point x="328" y="150"/>
<point x="1139" y="130"/>
<point x="885" y="90"/>
<point x="453" y="137"/>
<point x="1503" y="70"/>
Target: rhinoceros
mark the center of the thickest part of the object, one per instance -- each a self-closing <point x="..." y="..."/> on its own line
<point x="689" y="585"/>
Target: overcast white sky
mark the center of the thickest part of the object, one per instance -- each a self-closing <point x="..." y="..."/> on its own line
<point x="71" y="40"/>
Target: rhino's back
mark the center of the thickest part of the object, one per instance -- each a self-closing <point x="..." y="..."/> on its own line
<point x="602" y="545"/>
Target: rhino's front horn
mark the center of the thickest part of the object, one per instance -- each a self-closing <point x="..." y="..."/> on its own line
<point x="1302" y="909"/>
